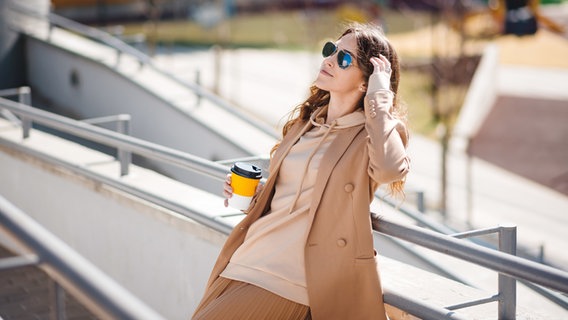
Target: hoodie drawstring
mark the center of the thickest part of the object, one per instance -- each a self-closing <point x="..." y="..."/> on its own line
<point x="308" y="164"/>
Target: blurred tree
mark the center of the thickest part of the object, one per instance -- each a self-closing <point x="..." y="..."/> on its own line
<point x="153" y="11"/>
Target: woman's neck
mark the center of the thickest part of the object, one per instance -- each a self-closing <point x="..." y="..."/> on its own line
<point x="340" y="105"/>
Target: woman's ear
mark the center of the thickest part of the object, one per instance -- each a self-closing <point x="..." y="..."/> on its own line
<point x="363" y="87"/>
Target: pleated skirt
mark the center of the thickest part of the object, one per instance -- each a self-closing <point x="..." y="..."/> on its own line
<point x="231" y="299"/>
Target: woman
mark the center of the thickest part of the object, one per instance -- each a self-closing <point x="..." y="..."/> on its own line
<point x="305" y="248"/>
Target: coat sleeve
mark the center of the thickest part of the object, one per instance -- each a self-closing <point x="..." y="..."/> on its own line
<point x="387" y="139"/>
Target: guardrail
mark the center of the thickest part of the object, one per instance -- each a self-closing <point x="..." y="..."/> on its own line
<point x="144" y="61"/>
<point x="505" y="264"/>
<point x="98" y="292"/>
<point x="127" y="144"/>
<point x="24" y="97"/>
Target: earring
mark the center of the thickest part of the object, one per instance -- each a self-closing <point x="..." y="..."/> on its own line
<point x="362" y="88"/>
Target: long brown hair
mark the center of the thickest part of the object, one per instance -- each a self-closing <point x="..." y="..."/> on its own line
<point x="371" y="42"/>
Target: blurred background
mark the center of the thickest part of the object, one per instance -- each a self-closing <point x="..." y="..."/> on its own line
<point x="485" y="84"/>
<point x="440" y="43"/>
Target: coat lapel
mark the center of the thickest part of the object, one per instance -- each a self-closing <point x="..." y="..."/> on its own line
<point x="237" y="237"/>
<point x="296" y="132"/>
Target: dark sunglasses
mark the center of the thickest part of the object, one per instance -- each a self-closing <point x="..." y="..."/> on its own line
<point x="344" y="58"/>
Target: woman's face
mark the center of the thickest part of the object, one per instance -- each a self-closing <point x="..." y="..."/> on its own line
<point x="334" y="79"/>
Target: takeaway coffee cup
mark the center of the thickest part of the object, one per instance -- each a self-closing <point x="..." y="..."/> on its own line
<point x="244" y="179"/>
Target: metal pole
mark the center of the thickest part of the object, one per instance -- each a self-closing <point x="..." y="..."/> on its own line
<point x="58" y="311"/>
<point x="198" y="83"/>
<point x="507" y="285"/>
<point x="510" y="265"/>
<point x="134" y="145"/>
<point x="469" y="187"/>
<point x="124" y="156"/>
<point x="24" y="97"/>
<point x="420" y="201"/>
<point x="97" y="291"/>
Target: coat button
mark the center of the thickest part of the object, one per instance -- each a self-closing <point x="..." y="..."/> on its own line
<point x="341" y="242"/>
<point x="348" y="187"/>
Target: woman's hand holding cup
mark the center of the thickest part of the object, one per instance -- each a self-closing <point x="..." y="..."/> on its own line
<point x="239" y="193"/>
<point x="227" y="189"/>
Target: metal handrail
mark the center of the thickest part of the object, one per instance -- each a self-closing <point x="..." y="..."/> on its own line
<point x="122" y="126"/>
<point x="94" y="33"/>
<point x="509" y="265"/>
<point x="116" y="140"/>
<point x="513" y="266"/>
<point x="144" y="60"/>
<point x="24" y="96"/>
<point x="92" y="287"/>
<point x="171" y="156"/>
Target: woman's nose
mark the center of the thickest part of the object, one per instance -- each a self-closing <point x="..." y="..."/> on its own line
<point x="329" y="61"/>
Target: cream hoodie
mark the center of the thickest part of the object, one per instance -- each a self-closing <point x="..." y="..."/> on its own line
<point x="272" y="255"/>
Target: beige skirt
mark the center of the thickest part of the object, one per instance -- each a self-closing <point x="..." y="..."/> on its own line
<point x="231" y="299"/>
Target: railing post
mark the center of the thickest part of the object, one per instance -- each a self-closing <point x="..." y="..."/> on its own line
<point x="24" y="97"/>
<point x="469" y="186"/>
<point x="58" y="310"/>
<point x="26" y="127"/>
<point x="507" y="285"/>
<point x="124" y="157"/>
<point x="198" y="83"/>
<point x="420" y="201"/>
<point x="118" y="55"/>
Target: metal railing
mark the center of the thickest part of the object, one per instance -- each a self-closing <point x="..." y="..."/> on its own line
<point x="122" y="122"/>
<point x="508" y="266"/>
<point x="113" y="139"/>
<point x="24" y="97"/>
<point x="128" y="144"/>
<point x="145" y="61"/>
<point x="507" y="295"/>
<point x="505" y="264"/>
<point x="94" y="289"/>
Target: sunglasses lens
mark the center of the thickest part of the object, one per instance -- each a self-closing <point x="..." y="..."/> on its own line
<point x="344" y="59"/>
<point x="328" y="49"/>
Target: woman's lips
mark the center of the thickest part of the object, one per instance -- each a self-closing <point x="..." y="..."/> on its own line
<point x="325" y="73"/>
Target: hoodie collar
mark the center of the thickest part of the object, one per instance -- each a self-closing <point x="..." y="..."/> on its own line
<point x="349" y="120"/>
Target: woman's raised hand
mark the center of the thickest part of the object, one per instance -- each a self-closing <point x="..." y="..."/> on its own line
<point x="380" y="78"/>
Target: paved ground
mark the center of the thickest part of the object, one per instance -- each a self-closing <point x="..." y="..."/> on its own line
<point x="527" y="136"/>
<point x="27" y="293"/>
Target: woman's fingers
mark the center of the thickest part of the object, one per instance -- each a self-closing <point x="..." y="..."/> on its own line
<point x="227" y="189"/>
<point x="259" y="187"/>
<point x="380" y="64"/>
<point x="376" y="64"/>
<point x="384" y="60"/>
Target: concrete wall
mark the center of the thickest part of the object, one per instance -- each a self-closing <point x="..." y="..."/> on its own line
<point x="99" y="91"/>
<point x="75" y="85"/>
<point x="12" y="62"/>
<point x="161" y="257"/>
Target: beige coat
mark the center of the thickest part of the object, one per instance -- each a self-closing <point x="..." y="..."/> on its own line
<point x="341" y="267"/>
